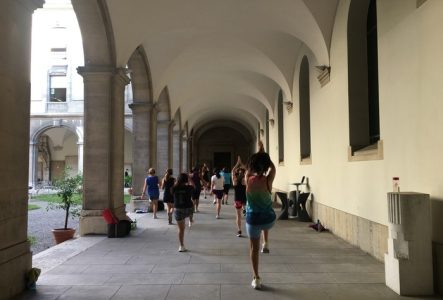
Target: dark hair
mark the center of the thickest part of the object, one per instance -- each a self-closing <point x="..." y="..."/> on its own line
<point x="182" y="179"/>
<point x="259" y="163"/>
<point x="217" y="172"/>
<point x="168" y="174"/>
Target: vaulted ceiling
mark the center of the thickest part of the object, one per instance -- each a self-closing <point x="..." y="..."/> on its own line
<point x="223" y="59"/>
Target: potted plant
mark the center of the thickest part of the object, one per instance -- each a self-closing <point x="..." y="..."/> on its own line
<point x="69" y="192"/>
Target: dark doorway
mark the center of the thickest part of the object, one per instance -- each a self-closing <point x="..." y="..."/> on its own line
<point x="222" y="159"/>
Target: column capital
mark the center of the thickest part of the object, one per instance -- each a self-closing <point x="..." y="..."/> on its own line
<point x="95" y="70"/>
<point x="31" y="5"/>
<point x="141" y="106"/>
<point x="121" y="74"/>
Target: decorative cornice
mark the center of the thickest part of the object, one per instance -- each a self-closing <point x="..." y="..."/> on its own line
<point x="324" y="75"/>
<point x="30" y="5"/>
<point x="140" y="106"/>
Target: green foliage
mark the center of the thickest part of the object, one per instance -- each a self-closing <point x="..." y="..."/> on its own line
<point x="32" y="240"/>
<point x="127" y="199"/>
<point x="69" y="192"/>
<point x="33" y="206"/>
<point x="54" y="198"/>
<point x="128" y="181"/>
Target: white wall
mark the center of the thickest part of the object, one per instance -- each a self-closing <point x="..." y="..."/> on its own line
<point x="411" y="118"/>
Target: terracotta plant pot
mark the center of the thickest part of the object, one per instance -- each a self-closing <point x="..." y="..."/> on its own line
<point x="61" y="234"/>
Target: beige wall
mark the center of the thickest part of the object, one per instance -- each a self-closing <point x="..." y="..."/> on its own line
<point x="411" y="120"/>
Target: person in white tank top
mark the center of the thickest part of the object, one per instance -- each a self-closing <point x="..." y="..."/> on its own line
<point x="217" y="186"/>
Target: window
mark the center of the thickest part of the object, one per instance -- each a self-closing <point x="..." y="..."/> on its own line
<point x="281" y="146"/>
<point x="305" y="118"/>
<point x="364" y="124"/>
<point x="267" y="131"/>
<point x="57" y="88"/>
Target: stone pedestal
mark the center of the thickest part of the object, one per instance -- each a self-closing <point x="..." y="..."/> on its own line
<point x="408" y="263"/>
<point x="136" y="204"/>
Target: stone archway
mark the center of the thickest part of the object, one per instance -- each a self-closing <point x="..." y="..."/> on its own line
<point x="51" y="150"/>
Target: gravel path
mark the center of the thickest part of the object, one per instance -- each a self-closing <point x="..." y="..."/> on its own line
<point x="41" y="222"/>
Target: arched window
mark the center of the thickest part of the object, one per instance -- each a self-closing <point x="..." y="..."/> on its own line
<point x="267" y="131"/>
<point x="364" y="124"/>
<point x="305" y="112"/>
<point x="281" y="146"/>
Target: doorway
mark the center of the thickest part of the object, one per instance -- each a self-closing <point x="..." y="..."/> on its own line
<point x="222" y="159"/>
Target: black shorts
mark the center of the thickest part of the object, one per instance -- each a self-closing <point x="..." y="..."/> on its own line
<point x="196" y="193"/>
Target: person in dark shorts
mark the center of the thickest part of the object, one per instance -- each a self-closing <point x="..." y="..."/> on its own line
<point x="227" y="184"/>
<point x="152" y="187"/>
<point x="239" y="182"/>
<point x="217" y="182"/>
<point x="196" y="180"/>
<point x="183" y="206"/>
<point x="205" y="178"/>
<point x="167" y="183"/>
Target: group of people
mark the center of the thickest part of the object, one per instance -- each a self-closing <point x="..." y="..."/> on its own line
<point x="252" y="184"/>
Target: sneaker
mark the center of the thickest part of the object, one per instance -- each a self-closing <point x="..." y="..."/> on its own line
<point x="154" y="217"/>
<point x="256" y="283"/>
<point x="226" y="202"/>
<point x="182" y="249"/>
<point x="265" y="249"/>
<point x="239" y="233"/>
<point x="244" y="212"/>
<point x="213" y="202"/>
<point x="223" y="202"/>
<point x="217" y="217"/>
<point x="190" y="223"/>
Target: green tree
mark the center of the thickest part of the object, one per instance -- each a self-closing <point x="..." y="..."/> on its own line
<point x="68" y="188"/>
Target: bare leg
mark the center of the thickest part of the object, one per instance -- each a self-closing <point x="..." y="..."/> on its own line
<point x="238" y="219"/>
<point x="181" y="232"/>
<point x="218" y="207"/>
<point x="265" y="236"/>
<point x="170" y="209"/>
<point x="254" y="249"/>
<point x="154" y="208"/>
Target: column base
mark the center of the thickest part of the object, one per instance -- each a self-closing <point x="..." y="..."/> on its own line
<point x="15" y="262"/>
<point x="92" y="222"/>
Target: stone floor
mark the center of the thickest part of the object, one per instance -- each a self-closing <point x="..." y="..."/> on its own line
<point x="302" y="264"/>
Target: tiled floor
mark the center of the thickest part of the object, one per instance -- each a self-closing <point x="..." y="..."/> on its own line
<point x="302" y="264"/>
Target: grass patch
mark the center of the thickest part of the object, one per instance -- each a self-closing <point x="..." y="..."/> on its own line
<point x="33" y="206"/>
<point x="56" y="199"/>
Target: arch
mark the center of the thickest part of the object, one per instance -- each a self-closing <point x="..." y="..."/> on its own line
<point x="55" y="124"/>
<point x="164" y="106"/>
<point x="97" y="33"/>
<point x="140" y="76"/>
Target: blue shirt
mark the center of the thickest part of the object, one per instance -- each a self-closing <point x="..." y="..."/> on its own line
<point x="226" y="176"/>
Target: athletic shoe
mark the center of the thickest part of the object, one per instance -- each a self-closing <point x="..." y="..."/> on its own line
<point x="154" y="217"/>
<point x="244" y="212"/>
<point x="239" y="233"/>
<point x="217" y="217"/>
<point x="265" y="249"/>
<point x="256" y="283"/>
<point x="226" y="202"/>
<point x="190" y="223"/>
<point x="213" y="202"/>
<point x="182" y="249"/>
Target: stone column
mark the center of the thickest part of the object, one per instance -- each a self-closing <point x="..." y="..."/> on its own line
<point x="15" y="53"/>
<point x="141" y="143"/>
<point x="33" y="161"/>
<point x="153" y="148"/>
<point x="80" y="156"/>
<point x="176" y="151"/>
<point x="104" y="146"/>
<point x="185" y="160"/>
<point x="163" y="146"/>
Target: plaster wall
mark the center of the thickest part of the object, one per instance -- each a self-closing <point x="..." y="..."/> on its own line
<point x="409" y="46"/>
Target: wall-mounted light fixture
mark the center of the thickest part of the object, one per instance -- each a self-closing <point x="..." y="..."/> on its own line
<point x="289" y="105"/>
